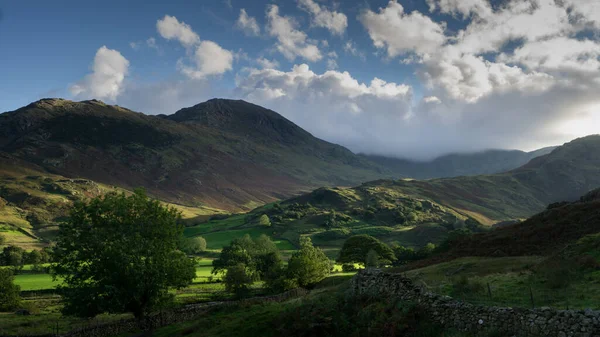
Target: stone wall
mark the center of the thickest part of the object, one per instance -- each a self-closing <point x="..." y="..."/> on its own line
<point x="480" y="320"/>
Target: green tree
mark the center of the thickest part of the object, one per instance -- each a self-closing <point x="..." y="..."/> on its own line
<point x="372" y="259"/>
<point x="194" y="245"/>
<point x="356" y="248"/>
<point x="9" y="292"/>
<point x="238" y="279"/>
<point x="260" y="257"/>
<point x="264" y="220"/>
<point x="33" y="257"/>
<point x="12" y="256"/>
<point x="426" y="251"/>
<point x="403" y="254"/>
<point x="308" y="265"/>
<point x="118" y="254"/>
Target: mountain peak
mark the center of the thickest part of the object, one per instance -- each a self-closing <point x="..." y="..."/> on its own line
<point x="243" y="118"/>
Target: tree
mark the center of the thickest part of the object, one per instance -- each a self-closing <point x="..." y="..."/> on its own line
<point x="12" y="256"/>
<point x="372" y="259"/>
<point x="2" y="240"/>
<point x="309" y="265"/>
<point x="9" y="292"/>
<point x="238" y="280"/>
<point x="264" y="220"/>
<point x="33" y="257"/>
<point x="260" y="257"/>
<point x="119" y="254"/>
<point x="194" y="245"/>
<point x="403" y="254"/>
<point x="426" y="251"/>
<point x="356" y="248"/>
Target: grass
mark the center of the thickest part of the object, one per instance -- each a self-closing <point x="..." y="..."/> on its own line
<point x="29" y="282"/>
<point x="510" y="281"/>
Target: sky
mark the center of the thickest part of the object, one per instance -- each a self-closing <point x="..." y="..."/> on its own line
<point x="405" y="78"/>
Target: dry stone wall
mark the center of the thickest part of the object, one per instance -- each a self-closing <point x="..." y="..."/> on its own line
<point x="481" y="320"/>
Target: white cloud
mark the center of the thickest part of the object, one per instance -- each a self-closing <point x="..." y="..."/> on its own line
<point x="267" y="64"/>
<point x="134" y="45"/>
<point x="151" y="43"/>
<point x="332" y="64"/>
<point x="292" y="43"/>
<point x="106" y="80"/>
<point x="170" y="28"/>
<point x="209" y="59"/>
<point x="350" y="47"/>
<point x="431" y="99"/>
<point x="559" y="55"/>
<point x="465" y="8"/>
<point x="248" y="24"/>
<point x="400" y="33"/>
<point x="333" y="21"/>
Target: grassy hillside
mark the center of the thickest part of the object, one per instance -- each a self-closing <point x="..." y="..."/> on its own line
<point x="33" y="203"/>
<point x="331" y="215"/>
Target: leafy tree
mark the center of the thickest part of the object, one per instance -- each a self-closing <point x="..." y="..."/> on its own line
<point x="309" y="265"/>
<point x="194" y="245"/>
<point x="356" y="248"/>
<point x="118" y="254"/>
<point x="372" y="259"/>
<point x="260" y="257"/>
<point x="404" y="255"/>
<point x="426" y="251"/>
<point x="9" y="292"/>
<point x="12" y="256"/>
<point x="33" y="257"/>
<point x="264" y="220"/>
<point x="238" y="280"/>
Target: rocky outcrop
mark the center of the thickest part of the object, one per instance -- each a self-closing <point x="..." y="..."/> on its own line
<point x="462" y="316"/>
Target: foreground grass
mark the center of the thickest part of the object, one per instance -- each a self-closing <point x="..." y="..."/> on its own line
<point x="507" y="281"/>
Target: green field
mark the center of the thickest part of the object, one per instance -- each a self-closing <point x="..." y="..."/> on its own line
<point x="35" y="281"/>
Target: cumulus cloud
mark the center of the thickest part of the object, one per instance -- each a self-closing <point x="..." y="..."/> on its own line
<point x="209" y="59"/>
<point x="463" y="8"/>
<point x="333" y="21"/>
<point x="398" y="32"/>
<point x="266" y="63"/>
<point x="106" y="80"/>
<point x="292" y="43"/>
<point x="247" y="24"/>
<point x="171" y="29"/>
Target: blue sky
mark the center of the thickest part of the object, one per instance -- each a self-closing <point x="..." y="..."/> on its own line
<point x="410" y="78"/>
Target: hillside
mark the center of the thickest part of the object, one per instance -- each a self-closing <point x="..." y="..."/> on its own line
<point x="460" y="164"/>
<point x="542" y="234"/>
<point x="223" y="153"/>
<point x="566" y="173"/>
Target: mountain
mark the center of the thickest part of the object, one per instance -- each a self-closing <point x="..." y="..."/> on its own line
<point x="224" y="153"/>
<point x="563" y="174"/>
<point x="459" y="164"/>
